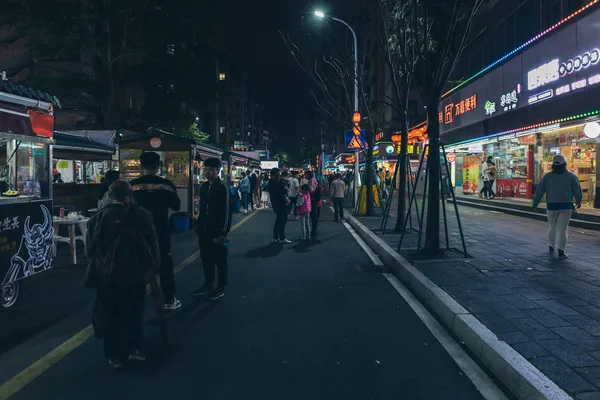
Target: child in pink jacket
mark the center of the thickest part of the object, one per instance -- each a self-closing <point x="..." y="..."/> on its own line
<point x="304" y="209"/>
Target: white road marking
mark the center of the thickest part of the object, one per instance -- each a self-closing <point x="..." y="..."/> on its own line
<point x="484" y="384"/>
<point x="374" y="257"/>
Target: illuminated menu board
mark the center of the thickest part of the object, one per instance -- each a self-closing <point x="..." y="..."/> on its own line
<point x="563" y="63"/>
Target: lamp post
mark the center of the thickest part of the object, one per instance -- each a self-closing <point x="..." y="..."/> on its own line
<point x="321" y="14"/>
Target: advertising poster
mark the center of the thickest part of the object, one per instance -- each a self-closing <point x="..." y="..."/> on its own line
<point x="26" y="235"/>
<point x="470" y="182"/>
<point x="178" y="168"/>
<point x="129" y="163"/>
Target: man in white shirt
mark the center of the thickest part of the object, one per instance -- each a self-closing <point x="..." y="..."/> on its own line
<point x="293" y="193"/>
<point x="483" y="177"/>
<point x="337" y="192"/>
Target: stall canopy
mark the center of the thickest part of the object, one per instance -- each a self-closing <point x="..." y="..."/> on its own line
<point x="26" y="111"/>
<point x="67" y="147"/>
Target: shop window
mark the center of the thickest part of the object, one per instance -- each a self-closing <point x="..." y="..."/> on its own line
<point x="31" y="175"/>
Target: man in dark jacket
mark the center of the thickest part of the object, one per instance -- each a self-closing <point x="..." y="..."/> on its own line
<point x="278" y="192"/>
<point x="212" y="227"/>
<point x="158" y="195"/>
<point x="122" y="301"/>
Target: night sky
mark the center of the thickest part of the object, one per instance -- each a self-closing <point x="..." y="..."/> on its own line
<point x="249" y="33"/>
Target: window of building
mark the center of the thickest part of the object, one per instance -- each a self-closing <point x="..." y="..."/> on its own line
<point x="171" y="49"/>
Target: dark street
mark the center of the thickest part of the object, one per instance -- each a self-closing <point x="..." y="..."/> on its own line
<point x="298" y="321"/>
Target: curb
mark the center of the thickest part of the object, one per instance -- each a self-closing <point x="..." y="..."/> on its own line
<point x="523" y="379"/>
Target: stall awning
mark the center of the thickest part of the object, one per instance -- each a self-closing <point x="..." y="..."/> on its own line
<point x="25" y="111"/>
<point x="74" y="147"/>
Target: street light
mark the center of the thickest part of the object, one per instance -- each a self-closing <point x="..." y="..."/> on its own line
<point x="321" y="14"/>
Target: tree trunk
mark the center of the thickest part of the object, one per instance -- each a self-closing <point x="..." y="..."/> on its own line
<point x="403" y="172"/>
<point x="432" y="235"/>
<point x="368" y="183"/>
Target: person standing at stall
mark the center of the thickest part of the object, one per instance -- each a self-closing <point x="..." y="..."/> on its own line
<point x="158" y="195"/>
<point x="122" y="242"/>
<point x="212" y="227"/>
<point x="245" y="191"/>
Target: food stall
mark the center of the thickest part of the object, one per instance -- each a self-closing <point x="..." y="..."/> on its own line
<point x="79" y="163"/>
<point x="181" y="161"/>
<point x="26" y="232"/>
<point x="235" y="163"/>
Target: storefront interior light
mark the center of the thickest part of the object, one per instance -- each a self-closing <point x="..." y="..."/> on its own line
<point x="592" y="130"/>
<point x="521" y="47"/>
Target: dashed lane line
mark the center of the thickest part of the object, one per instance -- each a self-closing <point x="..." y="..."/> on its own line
<point x="25" y="377"/>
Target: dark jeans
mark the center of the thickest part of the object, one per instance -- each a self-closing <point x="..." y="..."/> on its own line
<point x="124" y="311"/>
<point x="279" y="227"/>
<point x="167" y="276"/>
<point x="315" y="214"/>
<point x="338" y="204"/>
<point x="292" y="206"/>
<point x="489" y="186"/>
<point x="211" y="255"/>
<point x="251" y="200"/>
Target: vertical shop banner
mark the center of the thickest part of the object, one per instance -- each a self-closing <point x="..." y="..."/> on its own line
<point x="471" y="174"/>
<point x="26" y="235"/>
<point x="178" y="170"/>
<point x="129" y="163"/>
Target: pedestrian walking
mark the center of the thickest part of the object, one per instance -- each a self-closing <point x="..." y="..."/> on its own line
<point x="245" y="191"/>
<point x="278" y="194"/>
<point x="234" y="197"/>
<point x="388" y="184"/>
<point x="483" y="178"/>
<point x="293" y="192"/>
<point x="561" y="188"/>
<point x="111" y="177"/>
<point x="316" y="197"/>
<point x="304" y="209"/>
<point x="338" y="189"/>
<point x="212" y="227"/>
<point x="491" y="178"/>
<point x="158" y="195"/>
<point x="124" y="252"/>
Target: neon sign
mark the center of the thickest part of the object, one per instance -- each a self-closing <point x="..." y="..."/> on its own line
<point x="490" y="107"/>
<point x="509" y="100"/>
<point x="581" y="61"/>
<point x="543" y="75"/>
<point x="462" y="107"/>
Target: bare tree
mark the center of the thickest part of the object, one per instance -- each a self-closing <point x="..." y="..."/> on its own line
<point x="440" y="31"/>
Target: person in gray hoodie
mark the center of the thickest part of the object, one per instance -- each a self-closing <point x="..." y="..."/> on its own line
<point x="561" y="187"/>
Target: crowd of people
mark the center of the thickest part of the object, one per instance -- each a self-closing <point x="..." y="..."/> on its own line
<point x="129" y="239"/>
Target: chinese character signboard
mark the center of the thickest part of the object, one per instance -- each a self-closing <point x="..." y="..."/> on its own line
<point x="562" y="63"/>
<point x="26" y="236"/>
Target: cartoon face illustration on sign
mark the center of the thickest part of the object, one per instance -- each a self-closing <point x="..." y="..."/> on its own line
<point x="34" y="254"/>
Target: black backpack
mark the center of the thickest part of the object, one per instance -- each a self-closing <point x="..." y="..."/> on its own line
<point x="317" y="195"/>
<point x="129" y="260"/>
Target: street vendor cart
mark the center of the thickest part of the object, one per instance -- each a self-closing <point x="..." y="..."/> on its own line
<point x="26" y="232"/>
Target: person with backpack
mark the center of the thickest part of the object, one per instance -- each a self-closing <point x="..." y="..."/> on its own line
<point x="212" y="228"/>
<point x="125" y="256"/>
<point x="316" y="197"/>
<point x="158" y="195"/>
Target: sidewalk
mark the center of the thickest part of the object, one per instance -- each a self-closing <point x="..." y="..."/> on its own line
<point x="546" y="309"/>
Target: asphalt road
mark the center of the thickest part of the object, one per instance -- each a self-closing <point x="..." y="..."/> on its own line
<point x="297" y="322"/>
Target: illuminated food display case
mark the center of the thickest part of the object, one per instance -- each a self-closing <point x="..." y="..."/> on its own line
<point x="26" y="232"/>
